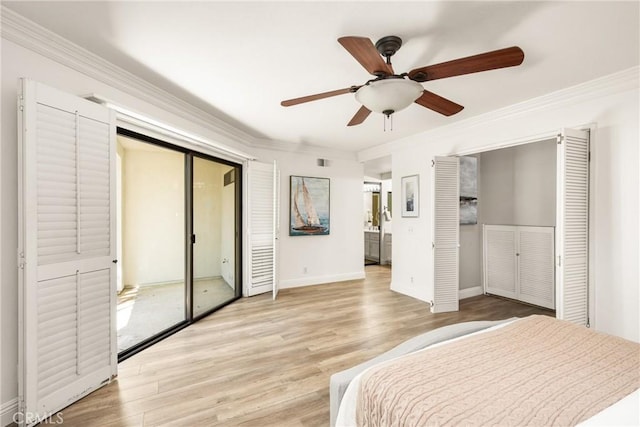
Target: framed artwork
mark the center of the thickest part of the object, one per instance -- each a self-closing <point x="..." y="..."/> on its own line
<point x="309" y="206"/>
<point x="468" y="190"/>
<point x="410" y="196"/>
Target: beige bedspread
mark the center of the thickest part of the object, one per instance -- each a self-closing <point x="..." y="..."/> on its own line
<point x="536" y="371"/>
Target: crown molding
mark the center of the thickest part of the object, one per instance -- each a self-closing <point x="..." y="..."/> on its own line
<point x="28" y="34"/>
<point x="304" y="149"/>
<point x="620" y="81"/>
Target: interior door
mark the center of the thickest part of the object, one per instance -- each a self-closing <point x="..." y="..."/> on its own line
<point x="262" y="192"/>
<point x="572" y="226"/>
<point x="500" y="269"/>
<point x="446" y="220"/>
<point x="67" y="248"/>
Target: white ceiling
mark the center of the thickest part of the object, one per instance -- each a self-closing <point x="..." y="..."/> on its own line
<point x="238" y="60"/>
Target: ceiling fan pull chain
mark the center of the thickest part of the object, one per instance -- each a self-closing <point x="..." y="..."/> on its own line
<point x="388" y="117"/>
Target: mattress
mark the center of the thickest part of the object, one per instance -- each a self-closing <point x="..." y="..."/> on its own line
<point x="411" y="408"/>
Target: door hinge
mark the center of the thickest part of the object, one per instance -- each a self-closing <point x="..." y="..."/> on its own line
<point x="20" y="259"/>
<point x="589" y="159"/>
<point x="559" y="138"/>
<point x="433" y="245"/>
<point x="433" y="162"/>
<point x="559" y="260"/>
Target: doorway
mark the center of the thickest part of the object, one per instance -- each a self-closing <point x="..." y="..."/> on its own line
<point x="509" y="194"/>
<point x="571" y="235"/>
<point x="178" y="220"/>
<point x="372" y="230"/>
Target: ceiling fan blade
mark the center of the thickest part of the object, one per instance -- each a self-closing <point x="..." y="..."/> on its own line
<point x="502" y="58"/>
<point x="360" y="116"/>
<point x="363" y="50"/>
<point x="296" y="101"/>
<point x="438" y="104"/>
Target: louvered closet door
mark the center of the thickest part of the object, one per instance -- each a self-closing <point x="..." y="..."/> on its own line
<point x="500" y="263"/>
<point x="572" y="226"/>
<point x="276" y="227"/>
<point x="536" y="277"/>
<point x="67" y="241"/>
<point x="262" y="219"/>
<point x="446" y="221"/>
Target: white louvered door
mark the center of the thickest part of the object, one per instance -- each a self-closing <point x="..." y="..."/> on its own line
<point x="67" y="345"/>
<point x="536" y="275"/>
<point x="572" y="226"/>
<point x="446" y="222"/>
<point x="276" y="227"/>
<point x="500" y="263"/>
<point x="261" y="178"/>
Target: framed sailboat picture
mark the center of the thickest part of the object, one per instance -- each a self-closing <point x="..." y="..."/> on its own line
<point x="309" y="207"/>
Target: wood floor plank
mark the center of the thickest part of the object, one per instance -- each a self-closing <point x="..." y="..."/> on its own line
<point x="259" y="362"/>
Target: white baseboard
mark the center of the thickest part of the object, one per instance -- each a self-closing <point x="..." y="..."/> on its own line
<point x="470" y="292"/>
<point x="7" y="411"/>
<point x="319" y="280"/>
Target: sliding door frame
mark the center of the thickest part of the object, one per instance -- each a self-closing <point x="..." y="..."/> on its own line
<point x="188" y="241"/>
<point x="237" y="269"/>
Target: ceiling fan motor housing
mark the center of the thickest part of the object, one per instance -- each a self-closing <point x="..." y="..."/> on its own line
<point x="388" y="46"/>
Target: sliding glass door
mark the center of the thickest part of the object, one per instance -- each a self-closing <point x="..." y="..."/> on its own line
<point x="151" y="201"/>
<point x="179" y="221"/>
<point x="213" y="235"/>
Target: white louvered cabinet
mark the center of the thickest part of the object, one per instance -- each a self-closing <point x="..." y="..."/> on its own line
<point x="518" y="263"/>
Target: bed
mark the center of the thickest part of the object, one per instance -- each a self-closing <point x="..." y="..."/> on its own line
<point x="531" y="371"/>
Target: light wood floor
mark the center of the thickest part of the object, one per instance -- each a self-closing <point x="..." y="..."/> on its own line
<point x="261" y="363"/>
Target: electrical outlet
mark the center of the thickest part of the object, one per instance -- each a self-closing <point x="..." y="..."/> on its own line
<point x="411" y="279"/>
<point x="304" y="270"/>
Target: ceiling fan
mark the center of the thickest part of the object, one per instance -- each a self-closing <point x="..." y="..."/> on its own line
<point x="389" y="92"/>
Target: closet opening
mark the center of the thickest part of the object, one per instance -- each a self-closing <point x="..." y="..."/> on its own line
<point x="518" y="260"/>
<point x="507" y="225"/>
<point x="372" y="222"/>
<point x="178" y="219"/>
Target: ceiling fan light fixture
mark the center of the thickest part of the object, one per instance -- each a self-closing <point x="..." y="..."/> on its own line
<point x="389" y="95"/>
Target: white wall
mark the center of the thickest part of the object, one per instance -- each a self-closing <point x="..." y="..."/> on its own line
<point x="335" y="257"/>
<point x="611" y="104"/>
<point x="496" y="188"/>
<point x="534" y="192"/>
<point x="518" y="185"/>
